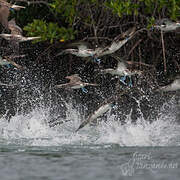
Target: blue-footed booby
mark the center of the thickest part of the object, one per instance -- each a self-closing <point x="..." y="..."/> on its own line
<point x="122" y="70"/>
<point x="83" y="50"/>
<point x="166" y="25"/>
<point x="107" y="105"/>
<point x="99" y="112"/>
<point x="75" y="83"/>
<point x="16" y="33"/>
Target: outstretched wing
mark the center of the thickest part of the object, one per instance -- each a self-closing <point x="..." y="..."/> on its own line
<point x="117" y="43"/>
<point x="4" y="14"/>
<point x="23" y="39"/>
<point x="121" y="66"/>
<point x="81" y="45"/>
<point x="91" y="84"/>
<point x="67" y="85"/>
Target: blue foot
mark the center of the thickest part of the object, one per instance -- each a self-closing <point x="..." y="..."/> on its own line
<point x="9" y="65"/>
<point x="11" y="9"/>
<point x="97" y="60"/>
<point x="122" y="79"/>
<point x="130" y="83"/>
<point x="84" y="90"/>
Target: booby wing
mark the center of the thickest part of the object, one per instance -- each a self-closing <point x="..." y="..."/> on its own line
<point x="9" y="5"/>
<point x="166" y="25"/>
<point x="4" y="14"/>
<point x="18" y="38"/>
<point x="100" y="111"/>
<point x="117" y="43"/>
<point x="17" y="7"/>
<point x="23" y="39"/>
<point x="67" y="85"/>
<point x="81" y="45"/>
<point x="74" y="78"/>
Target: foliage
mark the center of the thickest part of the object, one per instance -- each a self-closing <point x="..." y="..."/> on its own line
<point x="66" y="8"/>
<point x="171" y="8"/>
<point x="64" y="15"/>
<point x="126" y="7"/>
<point x="49" y="31"/>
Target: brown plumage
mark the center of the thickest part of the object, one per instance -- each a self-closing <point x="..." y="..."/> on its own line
<point x="4" y="12"/>
<point x="14" y="28"/>
<point x="74" y="83"/>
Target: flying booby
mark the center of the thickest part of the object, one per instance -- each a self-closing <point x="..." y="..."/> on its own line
<point x="83" y="50"/>
<point x="107" y="105"/>
<point x="166" y="25"/>
<point x="16" y="33"/>
<point x="122" y="70"/>
<point x="97" y="113"/>
<point x="75" y="83"/>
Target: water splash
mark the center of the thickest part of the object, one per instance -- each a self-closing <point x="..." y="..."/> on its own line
<point x="33" y="129"/>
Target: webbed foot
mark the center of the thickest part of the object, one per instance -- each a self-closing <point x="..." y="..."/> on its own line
<point x="84" y="90"/>
<point x="9" y="65"/>
<point x="122" y="79"/>
<point x="97" y="60"/>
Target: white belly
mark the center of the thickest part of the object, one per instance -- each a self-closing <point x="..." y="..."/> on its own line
<point x="77" y="86"/>
<point x="100" y="111"/>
